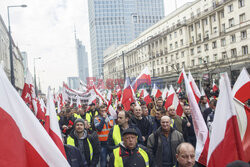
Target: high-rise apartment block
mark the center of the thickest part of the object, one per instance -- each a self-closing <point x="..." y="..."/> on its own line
<point x="117" y="22"/>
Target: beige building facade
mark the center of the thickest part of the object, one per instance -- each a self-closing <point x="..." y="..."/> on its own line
<point x="206" y="37"/>
<point x="5" y="57"/>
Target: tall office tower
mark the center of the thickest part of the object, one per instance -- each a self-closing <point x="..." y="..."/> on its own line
<point x="82" y="61"/>
<point x="116" y="22"/>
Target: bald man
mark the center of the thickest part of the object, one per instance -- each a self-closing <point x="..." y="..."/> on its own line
<point x="142" y="123"/>
<point x="163" y="142"/>
<point x="185" y="155"/>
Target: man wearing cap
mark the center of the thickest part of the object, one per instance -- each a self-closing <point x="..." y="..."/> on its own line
<point x="103" y="123"/>
<point x="90" y="114"/>
<point x="129" y="153"/>
<point x="88" y="145"/>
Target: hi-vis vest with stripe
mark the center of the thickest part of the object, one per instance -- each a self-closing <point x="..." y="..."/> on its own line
<point x="103" y="135"/>
<point x="118" y="162"/>
<point x="71" y="141"/>
<point x="117" y="135"/>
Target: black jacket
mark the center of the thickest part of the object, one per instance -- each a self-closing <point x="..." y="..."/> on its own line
<point x="75" y="157"/>
<point x="188" y="132"/>
<point x="206" y="113"/>
<point x="131" y="158"/>
<point x="143" y="125"/>
<point x="95" y="145"/>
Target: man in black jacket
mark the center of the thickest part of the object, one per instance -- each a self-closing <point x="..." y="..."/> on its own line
<point x="66" y="123"/>
<point x="188" y="127"/>
<point x="87" y="144"/>
<point x="142" y="123"/>
<point x="212" y="106"/>
<point x="162" y="144"/>
<point x="129" y="153"/>
<point x="114" y="137"/>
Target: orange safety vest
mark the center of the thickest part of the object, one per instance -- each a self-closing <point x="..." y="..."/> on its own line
<point x="103" y="135"/>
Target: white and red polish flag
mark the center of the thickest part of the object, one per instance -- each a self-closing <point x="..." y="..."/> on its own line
<point x="165" y="93"/>
<point x="156" y="92"/>
<point x="127" y="95"/>
<point x="141" y="93"/>
<point x="146" y="97"/>
<point x="178" y="90"/>
<point x="110" y="109"/>
<point x="195" y="89"/>
<point x="25" y="143"/>
<point x="144" y="77"/>
<point x="215" y="87"/>
<point x="173" y="100"/>
<point x="180" y="77"/>
<point x="78" y="102"/>
<point x="43" y="106"/>
<point x="28" y="89"/>
<point x="200" y="127"/>
<point x="54" y="130"/>
<point x="241" y="94"/>
<point x="225" y="142"/>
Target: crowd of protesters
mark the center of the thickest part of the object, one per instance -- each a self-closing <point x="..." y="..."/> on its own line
<point x="145" y="136"/>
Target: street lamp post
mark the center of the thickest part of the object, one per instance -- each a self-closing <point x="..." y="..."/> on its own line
<point x="36" y="58"/>
<point x="12" y="77"/>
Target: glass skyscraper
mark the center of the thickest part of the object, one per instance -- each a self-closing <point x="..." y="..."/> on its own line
<point x="116" y="22"/>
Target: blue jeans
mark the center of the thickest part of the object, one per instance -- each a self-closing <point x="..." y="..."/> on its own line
<point x="103" y="156"/>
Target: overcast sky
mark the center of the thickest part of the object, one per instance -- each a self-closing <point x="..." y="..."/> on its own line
<point x="46" y="29"/>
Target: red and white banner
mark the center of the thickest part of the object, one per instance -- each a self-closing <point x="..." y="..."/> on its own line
<point x="225" y="142"/>
<point x="200" y="127"/>
<point x="25" y="143"/>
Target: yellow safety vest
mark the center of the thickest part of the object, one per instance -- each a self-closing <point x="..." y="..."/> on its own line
<point x="118" y="159"/>
<point x="117" y="135"/>
<point x="89" y="116"/>
<point x="172" y="123"/>
<point x="71" y="141"/>
<point x="77" y="115"/>
<point x="58" y="117"/>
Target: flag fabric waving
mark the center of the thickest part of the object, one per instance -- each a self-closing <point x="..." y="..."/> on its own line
<point x="156" y="91"/>
<point x="180" y="78"/>
<point x="241" y="94"/>
<point x="25" y="143"/>
<point x="225" y="142"/>
<point x="144" y="77"/>
<point x="127" y="95"/>
<point x="200" y="127"/>
<point x="194" y="87"/>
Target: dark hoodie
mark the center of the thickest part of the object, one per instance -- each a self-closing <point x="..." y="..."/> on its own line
<point x="83" y="146"/>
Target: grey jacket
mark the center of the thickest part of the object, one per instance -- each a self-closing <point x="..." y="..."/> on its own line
<point x="175" y="138"/>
